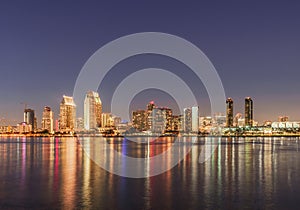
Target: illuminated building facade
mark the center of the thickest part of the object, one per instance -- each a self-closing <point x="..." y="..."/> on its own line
<point x="67" y="115"/>
<point x="29" y="118"/>
<point x="167" y="118"/>
<point x="229" y="112"/>
<point x="79" y="124"/>
<point x="150" y="107"/>
<point x="47" y="120"/>
<point x="236" y="119"/>
<point x="159" y="120"/>
<point x="92" y="110"/>
<point x="106" y="120"/>
<point x="154" y="119"/>
<point x="248" y="112"/>
<point x="139" y="120"/>
<point x="191" y="119"/>
<point x="176" y="124"/>
<point x="187" y="120"/>
<point x="23" y="127"/>
<point x="195" y="119"/>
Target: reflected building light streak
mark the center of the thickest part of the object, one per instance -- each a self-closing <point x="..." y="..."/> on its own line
<point x="86" y="175"/>
<point x="23" y="162"/>
<point x="56" y="166"/>
<point x="194" y="172"/>
<point x="51" y="153"/>
<point x="69" y="174"/>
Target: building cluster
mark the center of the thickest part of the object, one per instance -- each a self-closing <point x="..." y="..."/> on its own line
<point x="94" y="119"/>
<point x="161" y="120"/>
<point x="238" y="121"/>
<point x="151" y="120"/>
<point x="238" y="125"/>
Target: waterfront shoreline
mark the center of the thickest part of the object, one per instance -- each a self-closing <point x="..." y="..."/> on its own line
<point x="148" y="136"/>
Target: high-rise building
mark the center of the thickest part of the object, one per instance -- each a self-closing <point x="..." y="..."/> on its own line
<point x="150" y="107"/>
<point x="187" y="120"/>
<point x="154" y="119"/>
<point x="229" y="112"/>
<point x="67" y="116"/>
<point x="79" y="124"/>
<point x="169" y="118"/>
<point x="176" y="123"/>
<point x="47" y="120"/>
<point x="191" y="119"/>
<point x="29" y="118"/>
<point x="248" y="112"/>
<point x="195" y="119"/>
<point x="159" y="120"/>
<point x="35" y="124"/>
<point x="139" y="120"/>
<point x="92" y="110"/>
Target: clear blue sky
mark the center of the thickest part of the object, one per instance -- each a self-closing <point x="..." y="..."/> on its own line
<point x="255" y="48"/>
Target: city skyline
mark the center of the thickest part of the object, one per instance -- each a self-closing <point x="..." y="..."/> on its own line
<point x="149" y="105"/>
<point x="92" y="117"/>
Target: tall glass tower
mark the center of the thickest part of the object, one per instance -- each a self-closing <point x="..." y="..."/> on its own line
<point x="229" y="112"/>
<point x="191" y="119"/>
<point x="47" y="120"/>
<point x="195" y="119"/>
<point x="248" y="112"/>
<point x="67" y="115"/>
<point x="29" y="118"/>
<point x="92" y="110"/>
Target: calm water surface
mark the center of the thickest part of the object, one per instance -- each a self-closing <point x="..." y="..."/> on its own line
<point x="243" y="173"/>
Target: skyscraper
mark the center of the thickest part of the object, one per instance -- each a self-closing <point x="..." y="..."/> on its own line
<point x="29" y="118"/>
<point x="187" y="120"/>
<point x="159" y="120"/>
<point x="169" y="118"/>
<point x="248" y="112"/>
<point x="229" y="112"/>
<point x="195" y="119"/>
<point x="92" y="110"/>
<point x="191" y="119"/>
<point x="67" y="114"/>
<point x="47" y="120"/>
<point x="176" y="123"/>
<point x="150" y="107"/>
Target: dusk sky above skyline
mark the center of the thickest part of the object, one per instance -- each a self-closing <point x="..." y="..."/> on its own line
<point x="254" y="47"/>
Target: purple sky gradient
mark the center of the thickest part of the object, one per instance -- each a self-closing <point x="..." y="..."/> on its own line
<point x="254" y="47"/>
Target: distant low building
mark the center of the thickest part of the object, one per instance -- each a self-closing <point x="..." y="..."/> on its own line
<point x="79" y="124"/>
<point x="23" y="127"/>
<point x="106" y="120"/>
<point x="283" y="119"/>
<point x="285" y="125"/>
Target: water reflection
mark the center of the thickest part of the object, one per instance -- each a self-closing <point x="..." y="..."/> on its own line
<point x="247" y="173"/>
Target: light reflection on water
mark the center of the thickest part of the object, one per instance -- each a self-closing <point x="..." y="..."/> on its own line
<point x="243" y="173"/>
